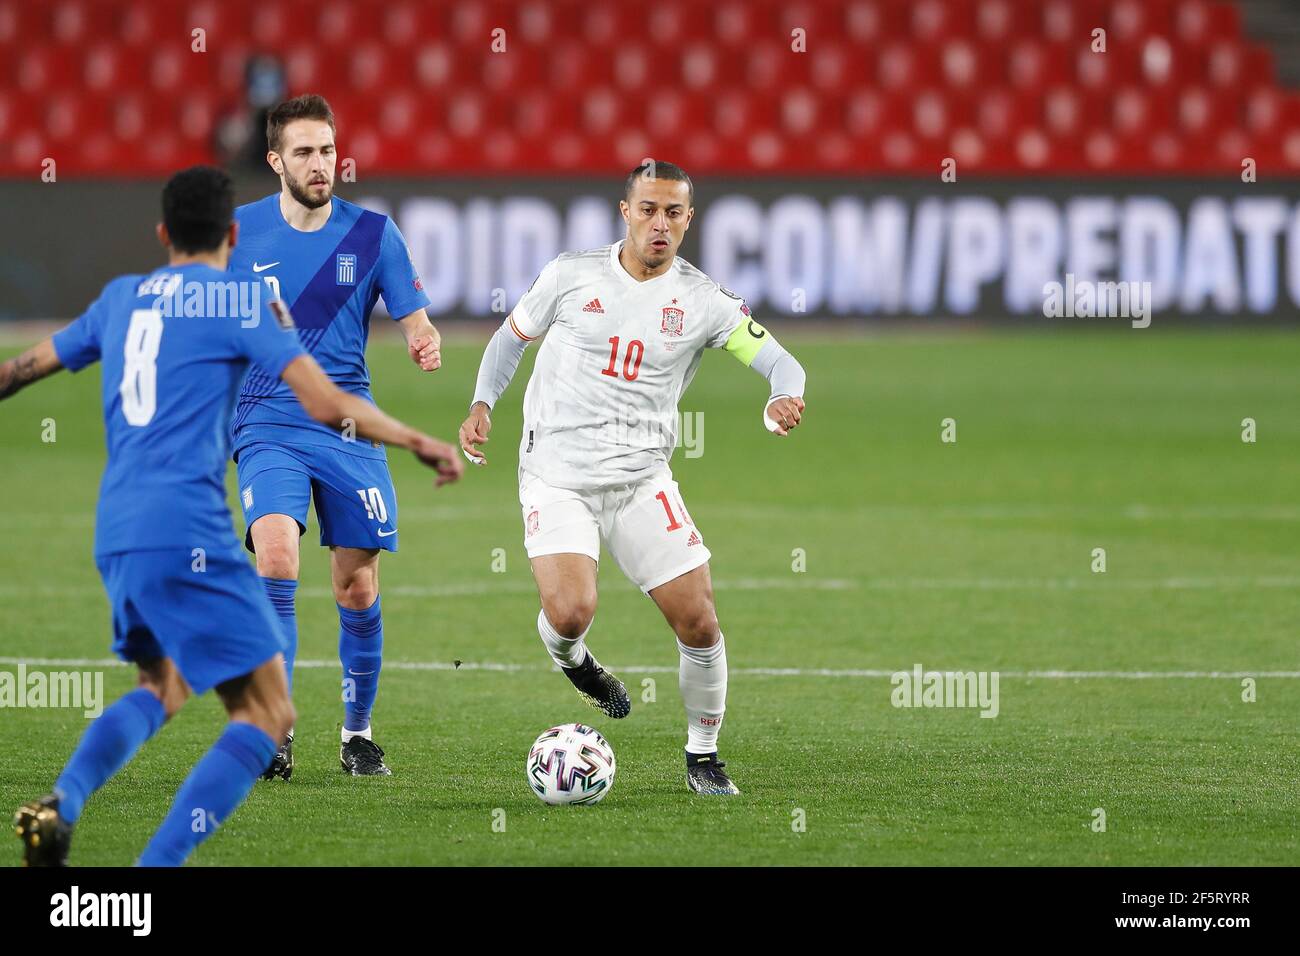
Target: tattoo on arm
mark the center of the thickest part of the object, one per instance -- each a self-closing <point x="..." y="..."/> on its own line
<point x="33" y="365"/>
<point x="16" y="373"/>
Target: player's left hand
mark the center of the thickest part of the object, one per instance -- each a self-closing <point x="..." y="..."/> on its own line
<point x="426" y="350"/>
<point x="440" y="456"/>
<point x="786" y="414"/>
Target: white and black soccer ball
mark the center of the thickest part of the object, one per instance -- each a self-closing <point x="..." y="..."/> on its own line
<point x="571" y="763"/>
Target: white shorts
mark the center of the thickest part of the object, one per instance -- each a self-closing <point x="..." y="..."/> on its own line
<point x="644" y="525"/>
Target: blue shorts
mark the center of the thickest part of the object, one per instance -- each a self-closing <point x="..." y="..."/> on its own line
<point x="207" y="613"/>
<point x="356" y="504"/>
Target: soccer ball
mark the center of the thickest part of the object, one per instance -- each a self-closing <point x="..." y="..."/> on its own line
<point x="571" y="763"/>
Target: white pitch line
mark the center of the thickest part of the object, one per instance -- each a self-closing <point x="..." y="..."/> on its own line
<point x="745" y="671"/>
<point x="1091" y="585"/>
<point x="796" y="582"/>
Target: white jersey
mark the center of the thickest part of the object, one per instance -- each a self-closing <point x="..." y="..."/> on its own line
<point x="601" y="405"/>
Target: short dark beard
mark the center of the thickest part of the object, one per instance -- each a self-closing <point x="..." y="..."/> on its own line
<point x="303" y="197"/>
<point x="650" y="262"/>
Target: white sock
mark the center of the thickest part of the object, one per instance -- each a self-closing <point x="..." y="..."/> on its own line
<point x="564" y="651"/>
<point x="702" y="677"/>
<point x="349" y="734"/>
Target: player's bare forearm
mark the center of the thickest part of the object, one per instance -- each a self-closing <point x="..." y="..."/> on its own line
<point x="37" y="362"/>
<point x="330" y="405"/>
<point x="423" y="341"/>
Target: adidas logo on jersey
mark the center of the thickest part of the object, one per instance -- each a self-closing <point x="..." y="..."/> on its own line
<point x="693" y="540"/>
<point x="593" y="306"/>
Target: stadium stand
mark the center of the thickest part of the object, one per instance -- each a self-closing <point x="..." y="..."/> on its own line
<point x="885" y="86"/>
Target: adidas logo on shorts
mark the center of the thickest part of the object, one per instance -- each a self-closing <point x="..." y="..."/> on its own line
<point x="693" y="540"/>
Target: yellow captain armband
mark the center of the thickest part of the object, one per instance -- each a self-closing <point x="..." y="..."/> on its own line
<point x="746" y="340"/>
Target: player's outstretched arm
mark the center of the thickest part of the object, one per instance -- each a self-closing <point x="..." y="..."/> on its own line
<point x="330" y="405"/>
<point x="756" y="347"/>
<point x="37" y="362"/>
<point x="500" y="360"/>
<point x="423" y="341"/>
<point x="786" y="379"/>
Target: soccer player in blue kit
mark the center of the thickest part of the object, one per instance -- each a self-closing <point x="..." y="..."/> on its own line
<point x="187" y="608"/>
<point x="330" y="260"/>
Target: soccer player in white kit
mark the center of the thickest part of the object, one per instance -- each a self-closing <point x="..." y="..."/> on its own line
<point x="625" y="327"/>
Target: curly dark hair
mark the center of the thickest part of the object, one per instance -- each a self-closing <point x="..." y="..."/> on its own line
<point x="198" y="205"/>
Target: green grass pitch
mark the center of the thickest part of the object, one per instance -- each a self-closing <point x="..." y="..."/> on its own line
<point x="974" y="555"/>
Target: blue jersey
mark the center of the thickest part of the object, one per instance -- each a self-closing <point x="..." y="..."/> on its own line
<point x="331" y="280"/>
<point x="169" y="382"/>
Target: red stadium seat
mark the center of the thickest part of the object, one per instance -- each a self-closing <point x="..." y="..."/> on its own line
<point x="897" y="66"/>
<point x="77" y="22"/>
<point x="21" y="22"/>
<point x="997" y="21"/>
<point x="403" y="26"/>
<point x="868" y="113"/>
<point x="930" y="115"/>
<point x="734" y="24"/>
<point x="305" y="66"/>
<point x="1264" y="110"/>
<point x="572" y="67"/>
<point x="196" y="115"/>
<point x="816" y="20"/>
<point x="603" y="111"/>
<point x="964" y="65"/>
<point x="370" y="68"/>
<point x="1203" y="113"/>
<point x="1001" y="112"/>
<point x="67" y="116"/>
<point x="230" y="68"/>
<point x="1224" y="21"/>
<point x="438" y="65"/>
<point x="536" y="114"/>
<point x="735" y="112"/>
<point x="836" y="67"/>
<point x="171" y="68"/>
<point x="1061" y="21"/>
<point x="1033" y="64"/>
<point x="1130" y="20"/>
<point x="765" y="149"/>
<point x="340" y="25"/>
<point x="865" y="22"/>
<point x="699" y="67"/>
<point x="1100" y="150"/>
<point x="1064" y="112"/>
<point x="932" y="21"/>
<point x="801" y="113"/>
<point x="44" y="68"/>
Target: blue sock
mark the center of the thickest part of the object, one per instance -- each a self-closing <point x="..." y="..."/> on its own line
<point x="361" y="647"/>
<point x="215" y="787"/>
<point x="282" y="593"/>
<point x="108" y="743"/>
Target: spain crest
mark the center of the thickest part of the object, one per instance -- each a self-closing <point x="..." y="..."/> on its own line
<point x="672" y="323"/>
